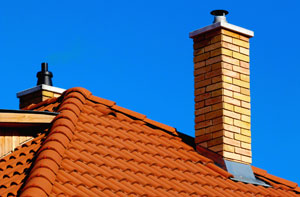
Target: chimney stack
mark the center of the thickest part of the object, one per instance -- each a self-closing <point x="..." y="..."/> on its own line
<point x="222" y="89"/>
<point x="43" y="91"/>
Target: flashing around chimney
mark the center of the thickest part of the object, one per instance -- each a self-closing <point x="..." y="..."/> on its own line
<point x="44" y="76"/>
<point x="243" y="172"/>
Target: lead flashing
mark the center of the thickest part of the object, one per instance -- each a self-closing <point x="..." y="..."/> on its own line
<point x="40" y="87"/>
<point x="243" y="172"/>
<point x="225" y="25"/>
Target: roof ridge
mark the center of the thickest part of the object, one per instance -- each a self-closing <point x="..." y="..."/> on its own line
<point x="132" y="113"/>
<point x="88" y="95"/>
<point x="274" y="178"/>
<point x="43" y="174"/>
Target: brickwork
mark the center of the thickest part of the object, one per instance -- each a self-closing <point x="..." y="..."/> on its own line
<point x="222" y="94"/>
<point x="36" y="97"/>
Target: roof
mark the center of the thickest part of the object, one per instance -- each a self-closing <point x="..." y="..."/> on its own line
<point x="96" y="148"/>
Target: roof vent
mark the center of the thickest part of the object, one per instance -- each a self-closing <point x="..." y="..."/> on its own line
<point x="220" y="15"/>
<point x="44" y="76"/>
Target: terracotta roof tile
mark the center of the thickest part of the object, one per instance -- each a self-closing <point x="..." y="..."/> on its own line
<point x="102" y="101"/>
<point x="48" y="103"/>
<point x="281" y="180"/>
<point x="84" y="92"/>
<point x="15" y="167"/>
<point x="259" y="171"/>
<point x="273" y="179"/>
<point x="96" y="148"/>
<point x="129" y="112"/>
<point x="162" y="126"/>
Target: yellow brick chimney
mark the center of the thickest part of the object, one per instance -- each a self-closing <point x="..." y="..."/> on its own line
<point x="222" y="89"/>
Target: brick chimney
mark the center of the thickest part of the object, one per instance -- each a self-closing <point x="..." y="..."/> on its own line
<point x="43" y="91"/>
<point x="222" y="89"/>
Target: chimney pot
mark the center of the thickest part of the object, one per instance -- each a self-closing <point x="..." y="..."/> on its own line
<point x="44" y="76"/>
<point x="220" y="15"/>
<point x="44" y="66"/>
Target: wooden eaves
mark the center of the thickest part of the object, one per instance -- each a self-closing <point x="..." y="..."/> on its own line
<point x="17" y="118"/>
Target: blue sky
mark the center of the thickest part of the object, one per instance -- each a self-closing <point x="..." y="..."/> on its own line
<point x="138" y="54"/>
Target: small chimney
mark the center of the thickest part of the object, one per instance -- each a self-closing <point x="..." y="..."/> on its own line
<point x="44" y="76"/>
<point x="222" y="89"/>
<point x="43" y="91"/>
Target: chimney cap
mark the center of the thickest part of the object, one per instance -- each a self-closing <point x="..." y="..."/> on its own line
<point x="219" y="12"/>
<point x="220" y="15"/>
<point x="220" y="21"/>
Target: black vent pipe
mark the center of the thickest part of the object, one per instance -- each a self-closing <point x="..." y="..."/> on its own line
<point x="44" y="76"/>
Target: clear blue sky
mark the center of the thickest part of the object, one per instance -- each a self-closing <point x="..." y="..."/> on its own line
<point x="138" y="54"/>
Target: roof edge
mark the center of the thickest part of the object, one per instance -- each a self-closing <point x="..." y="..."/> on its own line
<point x="29" y="117"/>
<point x="271" y="177"/>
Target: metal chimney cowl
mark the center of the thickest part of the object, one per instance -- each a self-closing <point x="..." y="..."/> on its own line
<point x="44" y="76"/>
<point x="220" y="15"/>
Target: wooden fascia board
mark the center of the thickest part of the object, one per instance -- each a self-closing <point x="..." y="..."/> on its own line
<point x="28" y="118"/>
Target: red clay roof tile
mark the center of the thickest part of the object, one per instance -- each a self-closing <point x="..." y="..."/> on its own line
<point x="259" y="171"/>
<point x="219" y="170"/>
<point x="281" y="180"/>
<point x="76" y="96"/>
<point x="102" y="101"/>
<point x="95" y="148"/>
<point x="129" y="112"/>
<point x="273" y="178"/>
<point x="14" y="167"/>
<point x="161" y="125"/>
<point x="80" y="90"/>
<point x="46" y="102"/>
